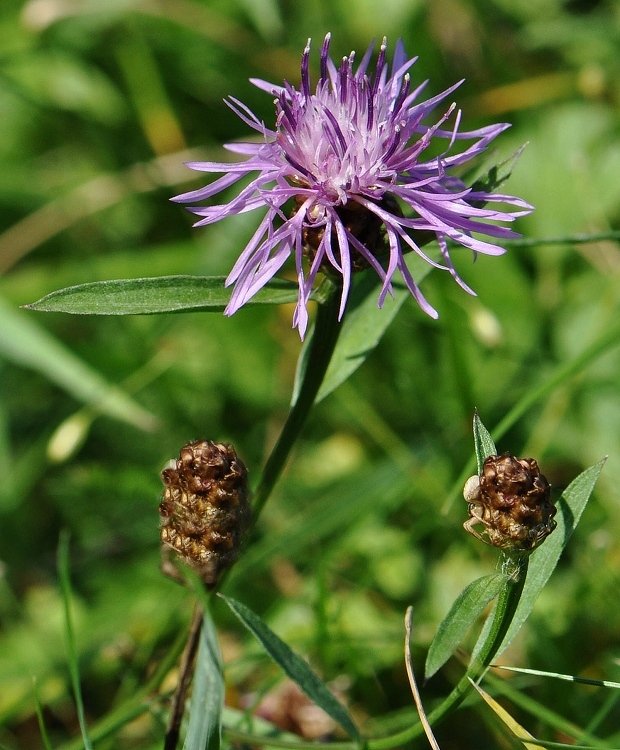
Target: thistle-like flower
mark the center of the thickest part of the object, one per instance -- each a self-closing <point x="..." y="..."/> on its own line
<point x="350" y="159"/>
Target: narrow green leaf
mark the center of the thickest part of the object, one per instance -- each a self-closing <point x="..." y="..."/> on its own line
<point x="30" y="345"/>
<point x="559" y="676"/>
<point x="466" y="609"/>
<point x="204" y="731"/>
<point x="483" y="442"/>
<point x="498" y="174"/>
<point x="160" y="294"/>
<point x="293" y="666"/>
<point x="544" y="559"/>
<point x="74" y="669"/>
<point x="363" y="326"/>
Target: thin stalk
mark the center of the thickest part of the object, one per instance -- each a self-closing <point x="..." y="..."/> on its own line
<point x="321" y="347"/>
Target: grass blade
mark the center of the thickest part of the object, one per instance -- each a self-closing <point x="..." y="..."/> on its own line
<point x="65" y="588"/>
<point x="42" y="728"/>
<point x="519" y="732"/>
<point x="557" y="676"/>
<point x="413" y="685"/>
<point x="30" y="345"/>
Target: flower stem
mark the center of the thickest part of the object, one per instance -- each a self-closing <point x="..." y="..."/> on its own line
<point x="319" y="354"/>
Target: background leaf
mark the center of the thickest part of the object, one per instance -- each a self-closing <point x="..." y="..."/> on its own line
<point x="161" y="294"/>
<point x="30" y="345"/>
<point x="464" y="612"/>
<point x="293" y="666"/>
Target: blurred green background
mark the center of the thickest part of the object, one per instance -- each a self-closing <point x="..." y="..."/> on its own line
<point x="101" y="102"/>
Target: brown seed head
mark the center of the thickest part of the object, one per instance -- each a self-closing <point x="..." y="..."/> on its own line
<point x="512" y="501"/>
<point x="205" y="508"/>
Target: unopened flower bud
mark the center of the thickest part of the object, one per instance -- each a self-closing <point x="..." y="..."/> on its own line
<point x="205" y="508"/>
<point x="511" y="499"/>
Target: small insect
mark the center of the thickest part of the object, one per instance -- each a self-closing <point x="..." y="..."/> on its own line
<point x="511" y="500"/>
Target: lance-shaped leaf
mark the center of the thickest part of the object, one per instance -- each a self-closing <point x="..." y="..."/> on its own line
<point x="483" y="442"/>
<point x="466" y="609"/>
<point x="293" y="666"/>
<point x="204" y="731"/>
<point x="159" y="294"/>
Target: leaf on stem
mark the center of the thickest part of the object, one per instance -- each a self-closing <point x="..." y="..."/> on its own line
<point x="293" y="666"/>
<point x="160" y="294"/>
<point x="483" y="442"/>
<point x="466" y="609"/>
<point x="204" y="731"/>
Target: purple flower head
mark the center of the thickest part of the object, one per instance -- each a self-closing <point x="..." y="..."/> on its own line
<point x="350" y="160"/>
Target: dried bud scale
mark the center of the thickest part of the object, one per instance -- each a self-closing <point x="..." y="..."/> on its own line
<point x="511" y="499"/>
<point x="205" y="508"/>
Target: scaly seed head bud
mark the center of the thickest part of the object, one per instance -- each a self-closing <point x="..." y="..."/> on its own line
<point x="512" y="501"/>
<point x="205" y="508"/>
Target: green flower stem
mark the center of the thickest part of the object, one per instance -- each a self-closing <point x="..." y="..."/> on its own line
<point x="321" y="347"/>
